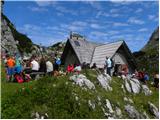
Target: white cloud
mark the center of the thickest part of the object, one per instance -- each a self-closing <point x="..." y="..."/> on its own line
<point x="94" y="4"/>
<point x="139" y="10"/>
<point x="115" y="15"/>
<point x="153" y="17"/>
<point x="114" y="10"/>
<point x="135" y="21"/>
<point x="112" y="32"/>
<point x="98" y="34"/>
<point x="45" y="35"/>
<point x="79" y="23"/>
<point x="95" y="26"/>
<point x="75" y="26"/>
<point x="44" y="3"/>
<point x="65" y="10"/>
<point x="38" y="9"/>
<point x="101" y="13"/>
<point x="118" y="24"/>
<point x="60" y="14"/>
<point x="143" y="30"/>
<point x="121" y="1"/>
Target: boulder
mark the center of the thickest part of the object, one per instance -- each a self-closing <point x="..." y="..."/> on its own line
<point x="153" y="109"/>
<point x="104" y="82"/>
<point x="108" y="105"/>
<point x="123" y="88"/>
<point x="118" y="112"/>
<point x="135" y="86"/>
<point x="145" y="115"/>
<point x="91" y="104"/>
<point x="81" y="80"/>
<point x="89" y="84"/>
<point x="146" y="90"/>
<point x="132" y="112"/>
<point x="127" y="86"/>
<point x="123" y="77"/>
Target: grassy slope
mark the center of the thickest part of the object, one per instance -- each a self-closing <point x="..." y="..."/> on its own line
<point x="56" y="96"/>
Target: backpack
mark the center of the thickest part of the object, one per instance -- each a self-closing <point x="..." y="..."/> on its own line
<point x="141" y="75"/>
<point x="19" y="78"/>
<point x="58" y="61"/>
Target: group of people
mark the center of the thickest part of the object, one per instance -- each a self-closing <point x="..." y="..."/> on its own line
<point x="123" y="70"/>
<point x="15" y="65"/>
<point x="144" y="77"/>
<point x="73" y="68"/>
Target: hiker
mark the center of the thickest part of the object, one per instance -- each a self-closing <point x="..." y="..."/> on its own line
<point x="27" y="66"/>
<point x="77" y="69"/>
<point x="156" y="80"/>
<point x="18" y="67"/>
<point x="141" y="76"/>
<point x="42" y="64"/>
<point x="34" y="66"/>
<point x="10" y="67"/>
<point x="94" y="66"/>
<point x="56" y="64"/>
<point x="70" y="68"/>
<point x="124" y="70"/>
<point x="146" y="78"/>
<point x="49" y="66"/>
<point x="108" y="65"/>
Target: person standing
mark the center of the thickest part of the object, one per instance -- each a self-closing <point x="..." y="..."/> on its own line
<point x="108" y="65"/>
<point x="35" y="67"/>
<point x="43" y="67"/>
<point x="10" y="67"/>
<point x="49" y="66"/>
<point x="18" y="67"/>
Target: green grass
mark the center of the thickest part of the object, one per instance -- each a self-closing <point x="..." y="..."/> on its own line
<point x="56" y="97"/>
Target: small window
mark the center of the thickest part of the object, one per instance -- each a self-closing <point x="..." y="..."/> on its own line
<point x="76" y="43"/>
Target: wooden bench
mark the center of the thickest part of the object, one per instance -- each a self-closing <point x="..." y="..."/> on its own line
<point x="36" y="75"/>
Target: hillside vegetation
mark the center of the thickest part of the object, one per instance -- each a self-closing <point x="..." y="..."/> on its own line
<point x="148" y="57"/>
<point x="59" y="97"/>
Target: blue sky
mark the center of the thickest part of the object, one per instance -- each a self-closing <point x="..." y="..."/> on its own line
<point x="48" y="22"/>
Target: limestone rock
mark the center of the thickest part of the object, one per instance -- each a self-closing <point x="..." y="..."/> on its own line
<point x="132" y="112"/>
<point x="153" y="109"/>
<point x="118" y="112"/>
<point x="127" y="86"/>
<point x="91" y="104"/>
<point x="108" y="105"/>
<point x="81" y="80"/>
<point x="104" y="82"/>
<point x="135" y="84"/>
<point x="146" y="90"/>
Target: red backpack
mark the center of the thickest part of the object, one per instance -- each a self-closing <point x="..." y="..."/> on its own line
<point x="141" y="75"/>
<point x="19" y="79"/>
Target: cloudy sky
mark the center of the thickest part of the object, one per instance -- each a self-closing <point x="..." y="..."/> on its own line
<point x="48" y="22"/>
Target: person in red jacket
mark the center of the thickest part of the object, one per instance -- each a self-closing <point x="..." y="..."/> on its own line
<point x="70" y="68"/>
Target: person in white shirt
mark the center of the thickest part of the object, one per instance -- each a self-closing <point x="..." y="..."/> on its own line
<point x="34" y="65"/>
<point x="108" y="65"/>
<point x="49" y="66"/>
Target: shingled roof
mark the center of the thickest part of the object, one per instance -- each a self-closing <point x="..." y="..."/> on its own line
<point x="83" y="49"/>
<point x="102" y="51"/>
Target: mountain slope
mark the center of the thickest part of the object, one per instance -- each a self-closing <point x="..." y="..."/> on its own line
<point x="60" y="97"/>
<point x="12" y="40"/>
<point x="148" y="57"/>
